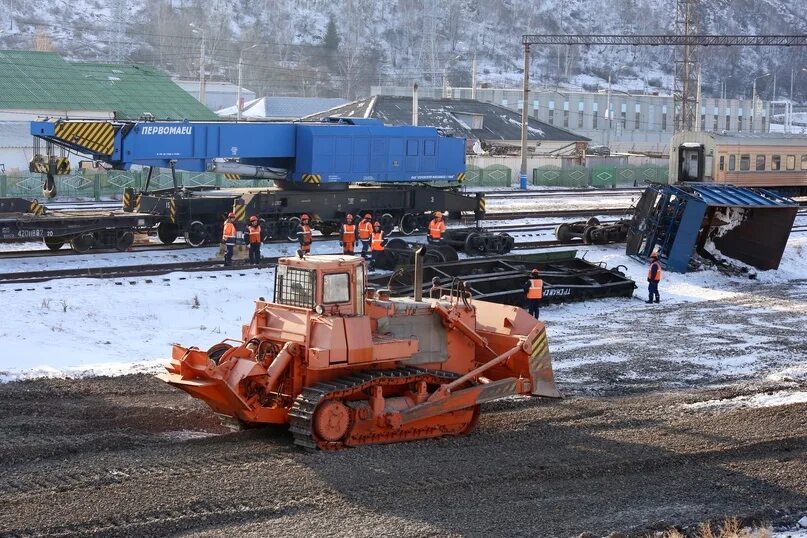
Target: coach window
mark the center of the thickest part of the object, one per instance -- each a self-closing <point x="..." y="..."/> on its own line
<point x="776" y="162"/>
<point x="732" y="163"/>
<point x="745" y="162"/>
<point x="760" y="163"/>
<point x="722" y="163"/>
<point x="790" y="163"/>
<point x="804" y="162"/>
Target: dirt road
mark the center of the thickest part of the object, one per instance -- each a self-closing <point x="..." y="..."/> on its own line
<point x="115" y="456"/>
<point x="622" y="452"/>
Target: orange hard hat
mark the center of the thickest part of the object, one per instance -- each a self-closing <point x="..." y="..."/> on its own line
<point x="304" y="216"/>
<point x="253" y="217"/>
<point x="438" y="214"/>
<point x="654" y="255"/>
<point x="231" y="215"/>
<point x="377" y="224"/>
<point x="368" y="216"/>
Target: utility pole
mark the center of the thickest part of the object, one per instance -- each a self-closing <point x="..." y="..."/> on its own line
<point x="473" y="79"/>
<point x="202" y="92"/>
<point x="525" y="118"/>
<point x="238" y="104"/>
<point x="686" y="67"/>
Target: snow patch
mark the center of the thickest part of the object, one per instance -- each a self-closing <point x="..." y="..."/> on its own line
<point x="773" y="399"/>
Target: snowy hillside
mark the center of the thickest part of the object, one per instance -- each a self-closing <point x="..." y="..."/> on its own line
<point x="289" y="47"/>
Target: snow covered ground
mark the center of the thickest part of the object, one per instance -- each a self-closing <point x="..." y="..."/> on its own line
<point x="709" y="328"/>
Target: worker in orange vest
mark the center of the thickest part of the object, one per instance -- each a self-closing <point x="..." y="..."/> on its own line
<point x="653" y="278"/>
<point x="365" y="233"/>
<point x="304" y="234"/>
<point x="534" y="290"/>
<point x="253" y="236"/>
<point x="437" y="227"/>
<point x="228" y="236"/>
<point x="377" y="242"/>
<point x="348" y="238"/>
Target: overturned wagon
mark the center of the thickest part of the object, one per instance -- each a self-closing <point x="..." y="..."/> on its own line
<point x="501" y="279"/>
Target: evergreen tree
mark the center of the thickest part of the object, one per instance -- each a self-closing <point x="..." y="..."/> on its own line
<point x="331" y="37"/>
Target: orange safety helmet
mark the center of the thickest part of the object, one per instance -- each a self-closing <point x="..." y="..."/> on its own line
<point x="253" y="218"/>
<point x="304" y="216"/>
<point x="377" y="224"/>
<point x="438" y="215"/>
<point x="231" y="215"/>
<point x="654" y="255"/>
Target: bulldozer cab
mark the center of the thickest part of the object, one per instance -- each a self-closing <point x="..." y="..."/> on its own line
<point x="326" y="284"/>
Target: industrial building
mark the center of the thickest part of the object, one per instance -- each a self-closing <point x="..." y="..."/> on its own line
<point x="81" y="90"/>
<point x="637" y="123"/>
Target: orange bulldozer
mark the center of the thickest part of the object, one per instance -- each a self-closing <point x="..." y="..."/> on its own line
<point x="346" y="366"/>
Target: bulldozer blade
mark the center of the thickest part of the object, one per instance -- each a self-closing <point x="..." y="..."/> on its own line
<point x="215" y="392"/>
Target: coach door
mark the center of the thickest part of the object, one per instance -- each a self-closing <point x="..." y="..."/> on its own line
<point x="691" y="162"/>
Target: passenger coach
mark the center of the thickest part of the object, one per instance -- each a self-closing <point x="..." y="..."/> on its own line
<point x="774" y="161"/>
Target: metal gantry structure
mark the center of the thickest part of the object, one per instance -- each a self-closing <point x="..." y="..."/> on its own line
<point x="686" y="61"/>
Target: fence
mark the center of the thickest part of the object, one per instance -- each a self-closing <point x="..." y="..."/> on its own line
<point x="598" y="176"/>
<point x="110" y="185"/>
<point x="489" y="176"/>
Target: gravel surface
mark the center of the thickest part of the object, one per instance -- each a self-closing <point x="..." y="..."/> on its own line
<point x="624" y="451"/>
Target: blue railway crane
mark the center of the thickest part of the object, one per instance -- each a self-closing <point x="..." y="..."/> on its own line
<point x="329" y="168"/>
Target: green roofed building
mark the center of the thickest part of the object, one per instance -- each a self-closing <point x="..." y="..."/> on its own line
<point x="34" y="85"/>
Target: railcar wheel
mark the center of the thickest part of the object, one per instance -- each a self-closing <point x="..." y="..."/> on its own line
<point x="196" y="234"/>
<point x="291" y="228"/>
<point x="396" y="243"/>
<point x="387" y="223"/>
<point x="563" y="233"/>
<point x="408" y="224"/>
<point x="82" y="243"/>
<point x="54" y="243"/>
<point x="587" y="233"/>
<point x="593" y="221"/>
<point x="449" y="253"/>
<point x="327" y="230"/>
<point x="473" y="243"/>
<point x="124" y="240"/>
<point x="167" y="232"/>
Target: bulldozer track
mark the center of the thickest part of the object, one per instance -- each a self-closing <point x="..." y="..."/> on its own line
<point x="302" y="412"/>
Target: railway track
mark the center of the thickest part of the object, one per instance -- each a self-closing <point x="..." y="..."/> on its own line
<point x="626" y="191"/>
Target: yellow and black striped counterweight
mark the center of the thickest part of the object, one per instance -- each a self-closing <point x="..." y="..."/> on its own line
<point x="312" y="179"/>
<point x="96" y="136"/>
<point x="460" y="177"/>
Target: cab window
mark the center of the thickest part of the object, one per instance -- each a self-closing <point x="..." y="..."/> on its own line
<point x="336" y="288"/>
<point x="776" y="162"/>
<point x="294" y="286"/>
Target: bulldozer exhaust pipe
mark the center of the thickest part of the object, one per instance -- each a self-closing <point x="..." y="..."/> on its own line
<point x="417" y="283"/>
